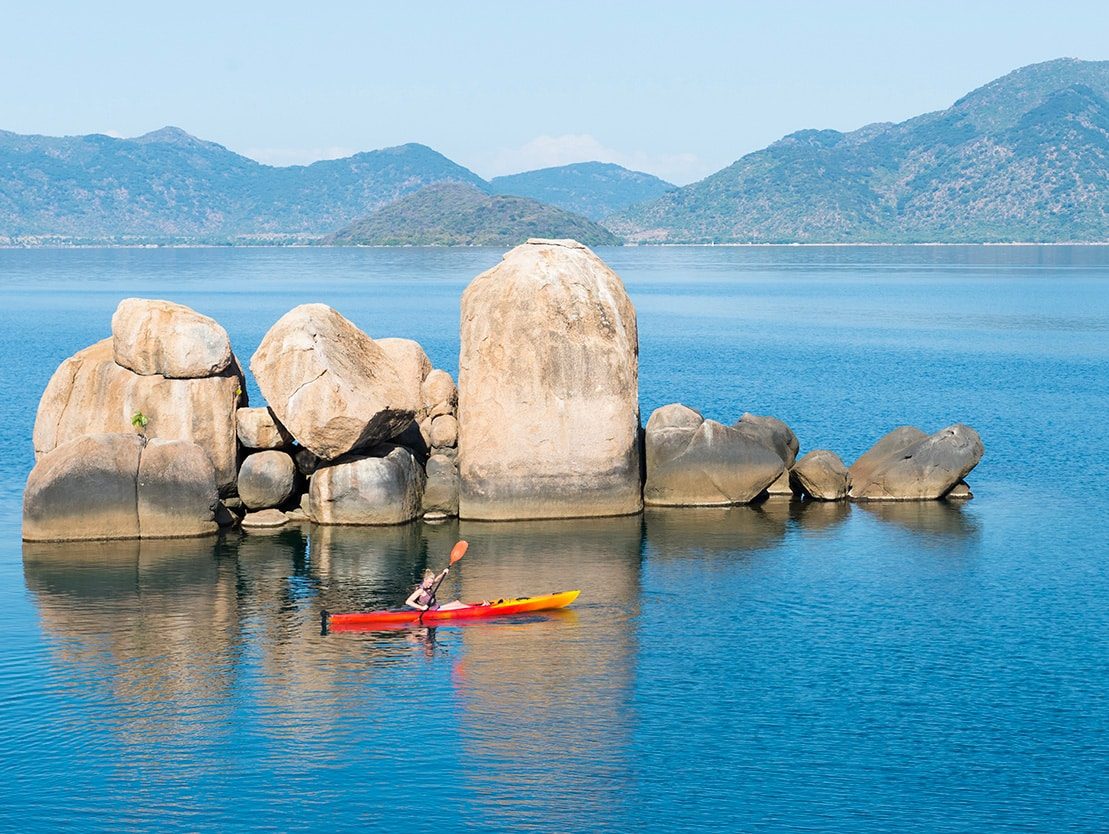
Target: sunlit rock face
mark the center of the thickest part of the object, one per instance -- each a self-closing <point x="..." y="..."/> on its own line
<point x="692" y="461"/>
<point x="548" y="413"/>
<point x="927" y="468"/>
<point x="330" y="385"/>
<point x="120" y="486"/>
<point x="90" y="393"/>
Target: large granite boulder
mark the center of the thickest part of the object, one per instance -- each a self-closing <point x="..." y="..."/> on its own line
<point x="772" y="433"/>
<point x="117" y="486"/>
<point x="548" y="392"/>
<point x="171" y="340"/>
<point x="332" y="386"/>
<point x="177" y="492"/>
<point x="696" y="462"/>
<point x="820" y="474"/>
<point x="258" y="428"/>
<point x="266" y="479"/>
<point x="926" y="469"/>
<point x="365" y="489"/>
<point x="886" y="447"/>
<point x="440" y="498"/>
<point x="91" y="394"/>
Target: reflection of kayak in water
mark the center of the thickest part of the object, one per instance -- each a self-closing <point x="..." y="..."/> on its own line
<point x="474" y="611"/>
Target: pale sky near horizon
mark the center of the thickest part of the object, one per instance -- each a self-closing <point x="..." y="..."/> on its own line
<point x="679" y="90"/>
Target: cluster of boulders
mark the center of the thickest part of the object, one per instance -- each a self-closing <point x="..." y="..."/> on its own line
<point x="692" y="461"/>
<point x="149" y="433"/>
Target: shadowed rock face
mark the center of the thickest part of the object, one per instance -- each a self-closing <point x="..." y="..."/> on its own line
<point x="821" y="475"/>
<point x="115" y="486"/>
<point x="926" y="469"/>
<point x="696" y="462"/>
<point x="267" y="479"/>
<point x="772" y="433"/>
<point x="367" y="490"/>
<point x="160" y="337"/>
<point x="91" y="394"/>
<point x="440" y="499"/>
<point x="548" y="388"/>
<point x="332" y="386"/>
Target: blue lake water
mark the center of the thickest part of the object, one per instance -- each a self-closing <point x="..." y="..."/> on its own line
<point x="919" y="667"/>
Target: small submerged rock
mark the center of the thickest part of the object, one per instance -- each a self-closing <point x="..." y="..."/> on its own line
<point x="265" y="518"/>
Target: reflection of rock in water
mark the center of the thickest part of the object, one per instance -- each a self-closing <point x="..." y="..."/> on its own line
<point x="941" y="518"/>
<point x="153" y="620"/>
<point x="524" y="685"/>
<point x="809" y="516"/>
<point x="715" y="531"/>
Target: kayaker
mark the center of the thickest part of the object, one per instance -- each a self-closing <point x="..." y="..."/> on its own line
<point x="423" y="598"/>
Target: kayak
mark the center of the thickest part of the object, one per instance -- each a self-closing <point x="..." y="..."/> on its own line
<point x="473" y="611"/>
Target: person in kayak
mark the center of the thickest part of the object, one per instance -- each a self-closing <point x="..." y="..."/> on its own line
<point x="423" y="598"/>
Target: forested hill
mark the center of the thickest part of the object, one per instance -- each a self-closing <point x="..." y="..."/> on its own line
<point x="1024" y="158"/>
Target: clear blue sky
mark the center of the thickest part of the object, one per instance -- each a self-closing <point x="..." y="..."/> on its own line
<point x="678" y="89"/>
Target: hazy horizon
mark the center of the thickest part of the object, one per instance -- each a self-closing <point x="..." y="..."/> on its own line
<point x="679" y="94"/>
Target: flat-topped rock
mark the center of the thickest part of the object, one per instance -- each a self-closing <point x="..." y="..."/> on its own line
<point x="171" y="340"/>
<point x="548" y="391"/>
<point x="332" y="386"/>
<point x="264" y="519"/>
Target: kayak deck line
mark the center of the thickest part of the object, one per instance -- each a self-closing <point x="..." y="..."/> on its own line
<point x="472" y="611"/>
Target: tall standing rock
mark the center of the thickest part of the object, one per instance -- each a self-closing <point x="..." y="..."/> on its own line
<point x="548" y="388"/>
<point x="332" y="386"/>
<point x="91" y="394"/>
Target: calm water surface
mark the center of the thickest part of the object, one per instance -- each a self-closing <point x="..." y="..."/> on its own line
<point x="924" y="667"/>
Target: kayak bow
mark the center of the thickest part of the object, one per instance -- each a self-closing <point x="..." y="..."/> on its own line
<point x="474" y="611"/>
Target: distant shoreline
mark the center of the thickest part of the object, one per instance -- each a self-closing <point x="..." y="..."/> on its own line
<point x="5" y="247"/>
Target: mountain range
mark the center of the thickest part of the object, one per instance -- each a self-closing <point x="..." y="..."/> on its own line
<point x="1023" y="158"/>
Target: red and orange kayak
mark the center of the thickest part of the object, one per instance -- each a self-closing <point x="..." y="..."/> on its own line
<point x="474" y="611"/>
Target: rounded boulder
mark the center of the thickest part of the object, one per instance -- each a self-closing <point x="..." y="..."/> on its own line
<point x="266" y="479"/>
<point x="171" y="340"/>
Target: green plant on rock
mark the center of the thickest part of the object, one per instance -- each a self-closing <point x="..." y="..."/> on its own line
<point x="139" y="421"/>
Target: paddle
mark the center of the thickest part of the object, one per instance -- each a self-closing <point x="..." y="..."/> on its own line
<point x="457" y="552"/>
